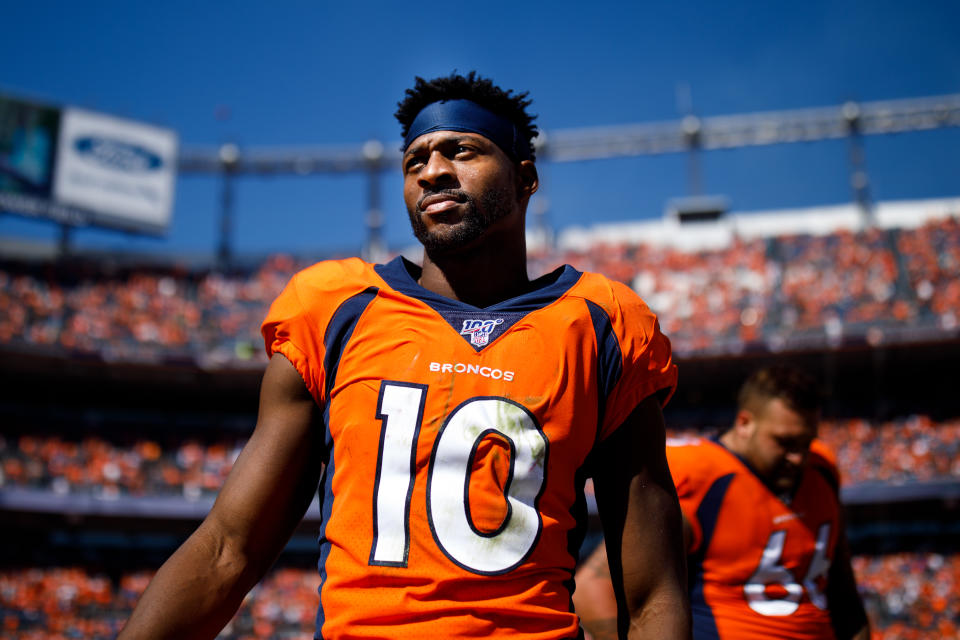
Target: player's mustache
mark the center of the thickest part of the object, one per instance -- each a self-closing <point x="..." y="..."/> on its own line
<point x="456" y="194"/>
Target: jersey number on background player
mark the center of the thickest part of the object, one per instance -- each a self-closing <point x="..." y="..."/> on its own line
<point x="400" y="409"/>
<point x="771" y="571"/>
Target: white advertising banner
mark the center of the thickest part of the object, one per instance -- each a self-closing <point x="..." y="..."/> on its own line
<point x="121" y="171"/>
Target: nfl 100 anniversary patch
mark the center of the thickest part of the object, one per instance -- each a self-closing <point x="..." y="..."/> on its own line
<point x="479" y="328"/>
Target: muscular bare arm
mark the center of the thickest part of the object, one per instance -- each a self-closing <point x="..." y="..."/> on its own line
<point x="643" y="530"/>
<point x="200" y="587"/>
<point x="594" y="599"/>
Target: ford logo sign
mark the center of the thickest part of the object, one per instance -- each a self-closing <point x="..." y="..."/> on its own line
<point x="118" y="155"/>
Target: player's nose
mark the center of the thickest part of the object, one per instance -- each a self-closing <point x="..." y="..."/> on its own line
<point x="439" y="169"/>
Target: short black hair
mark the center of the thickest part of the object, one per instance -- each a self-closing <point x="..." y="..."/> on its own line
<point x="510" y="105"/>
<point x="795" y="387"/>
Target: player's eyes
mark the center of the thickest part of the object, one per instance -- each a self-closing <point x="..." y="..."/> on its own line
<point x="464" y="149"/>
<point x="416" y="162"/>
<point x="794" y="445"/>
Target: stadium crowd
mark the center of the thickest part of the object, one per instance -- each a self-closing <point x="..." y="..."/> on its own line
<point x="910" y="449"/>
<point x="908" y="596"/>
<point x="141" y="314"/>
<point x="931" y="256"/>
<point x="63" y="603"/>
<point x="911" y="596"/>
<point x="840" y="279"/>
<point x="822" y="288"/>
<point x="94" y="465"/>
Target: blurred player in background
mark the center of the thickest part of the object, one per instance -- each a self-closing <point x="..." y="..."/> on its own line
<point x="450" y="414"/>
<point x="762" y="524"/>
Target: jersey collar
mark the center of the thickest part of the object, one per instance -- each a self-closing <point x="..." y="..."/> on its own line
<point x="402" y="275"/>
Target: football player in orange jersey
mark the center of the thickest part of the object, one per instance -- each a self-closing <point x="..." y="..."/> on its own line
<point x="450" y="414"/>
<point x="762" y="522"/>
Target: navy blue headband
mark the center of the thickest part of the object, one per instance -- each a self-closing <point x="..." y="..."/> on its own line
<point x="468" y="116"/>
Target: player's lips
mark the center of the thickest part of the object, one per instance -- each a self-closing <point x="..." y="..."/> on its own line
<point x="437" y="203"/>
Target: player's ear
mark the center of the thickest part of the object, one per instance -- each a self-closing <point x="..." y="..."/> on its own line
<point x="528" y="180"/>
<point x="744" y="421"/>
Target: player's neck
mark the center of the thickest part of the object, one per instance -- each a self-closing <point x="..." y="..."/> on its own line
<point x="729" y="440"/>
<point x="478" y="278"/>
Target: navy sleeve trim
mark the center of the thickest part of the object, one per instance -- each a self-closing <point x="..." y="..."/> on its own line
<point x="707" y="514"/>
<point x="339" y="330"/>
<point x="609" y="357"/>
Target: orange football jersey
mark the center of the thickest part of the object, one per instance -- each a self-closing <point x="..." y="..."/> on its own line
<point x="758" y="563"/>
<point x="452" y="496"/>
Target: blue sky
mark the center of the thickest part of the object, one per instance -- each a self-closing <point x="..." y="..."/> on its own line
<point x="299" y="73"/>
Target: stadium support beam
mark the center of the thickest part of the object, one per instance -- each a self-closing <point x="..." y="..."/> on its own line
<point x="859" y="180"/>
<point x="755" y="129"/>
<point x="375" y="249"/>
<point x="229" y="158"/>
<point x="592" y="143"/>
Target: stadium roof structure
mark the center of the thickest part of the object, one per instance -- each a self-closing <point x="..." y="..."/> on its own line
<point x="851" y="120"/>
<point x="589" y="143"/>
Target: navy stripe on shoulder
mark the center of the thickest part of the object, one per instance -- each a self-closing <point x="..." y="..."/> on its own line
<point x="325" y="495"/>
<point x="609" y="357"/>
<point x="709" y="510"/>
<point x="704" y="626"/>
<point x="339" y="330"/>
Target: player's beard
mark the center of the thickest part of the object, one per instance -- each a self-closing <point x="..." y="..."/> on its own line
<point x="478" y="215"/>
<point x="785" y="478"/>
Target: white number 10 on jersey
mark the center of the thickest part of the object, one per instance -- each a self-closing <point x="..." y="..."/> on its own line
<point x="400" y="410"/>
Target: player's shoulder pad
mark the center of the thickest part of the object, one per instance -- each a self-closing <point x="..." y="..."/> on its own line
<point x="604" y="291"/>
<point x="697" y="461"/>
<point x="332" y="280"/>
<point x="697" y="452"/>
<point x="328" y="272"/>
<point x="622" y="305"/>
